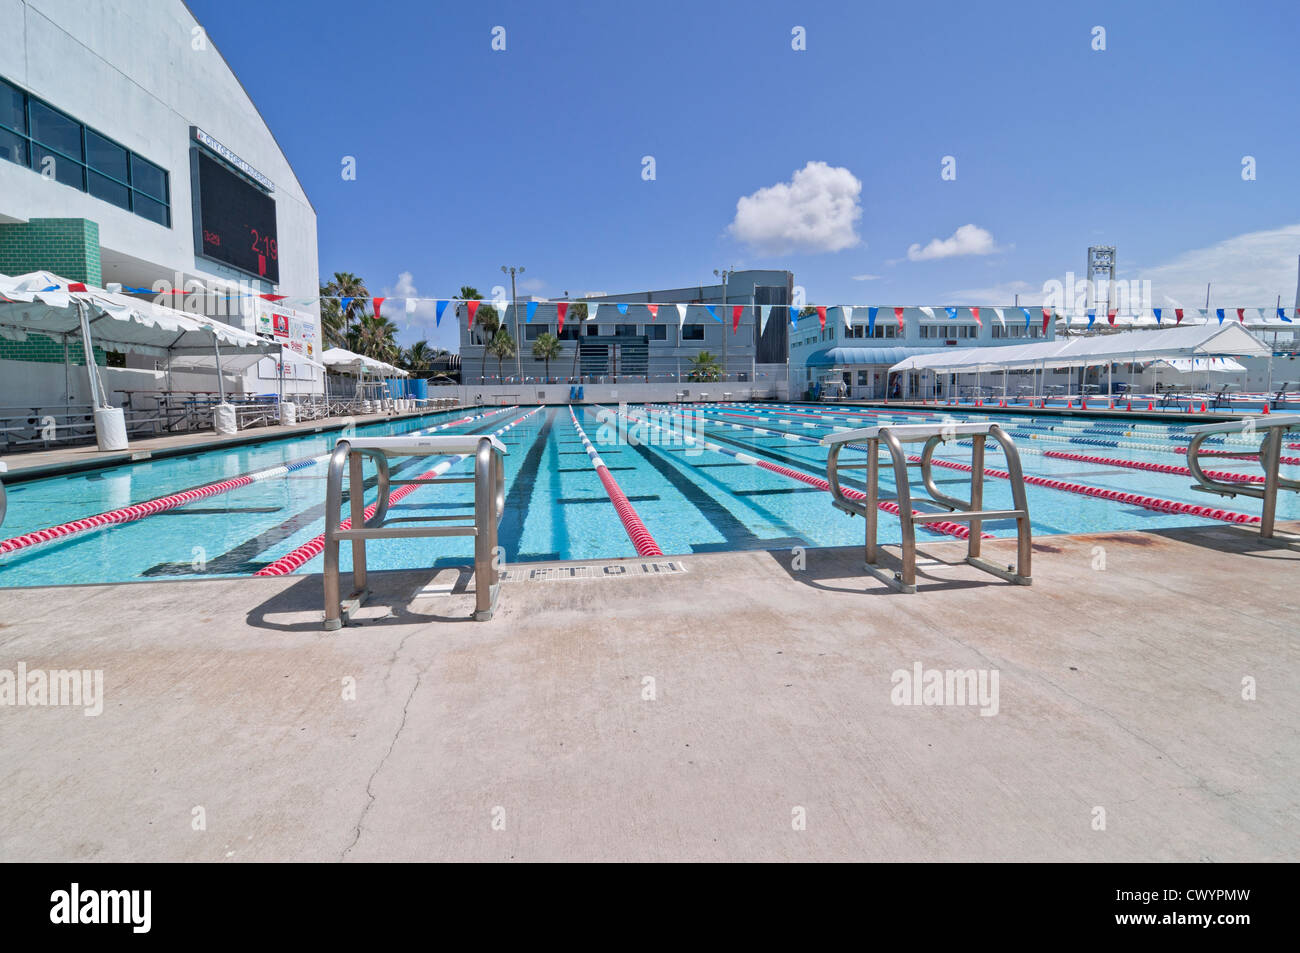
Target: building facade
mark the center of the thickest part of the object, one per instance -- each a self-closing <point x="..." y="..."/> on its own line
<point x="633" y="345"/>
<point x="131" y="155"/>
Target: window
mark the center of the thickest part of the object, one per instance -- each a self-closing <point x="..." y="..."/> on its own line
<point x="533" y="331"/>
<point x="593" y="330"/>
<point x="38" y="136"/>
<point x="624" y="330"/>
<point x="692" y="332"/>
<point x="656" y="332"/>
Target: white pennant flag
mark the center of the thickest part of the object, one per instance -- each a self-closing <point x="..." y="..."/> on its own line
<point x="1002" y="320"/>
<point x="681" y="316"/>
<point x="848" y="316"/>
<point x="763" y="312"/>
<point x="410" y="305"/>
<point x="928" y="312"/>
<point x="591" y="311"/>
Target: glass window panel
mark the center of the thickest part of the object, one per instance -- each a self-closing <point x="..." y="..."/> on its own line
<point x="146" y="207"/>
<point x="693" y="332"/>
<point x="657" y="332"/>
<point x="12" y="113"/>
<point x="104" y="156"/>
<point x="105" y="188"/>
<point x="55" y="130"/>
<point x="61" y="169"/>
<point x="148" y="178"/>
<point x="13" y="148"/>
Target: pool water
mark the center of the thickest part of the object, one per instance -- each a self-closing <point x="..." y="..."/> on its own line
<point x="691" y="500"/>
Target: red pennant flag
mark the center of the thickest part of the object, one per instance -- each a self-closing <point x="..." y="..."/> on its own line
<point x="1047" y="316"/>
<point x="378" y="303"/>
<point x="821" y="315"/>
<point x="975" y="313"/>
<point x="898" y="313"/>
<point x="280" y="297"/>
<point x="1178" y="315"/>
<point x="76" y="286"/>
<point x="1110" y="317"/>
<point x="735" y="317"/>
<point x="472" y="308"/>
<point x="1241" y="315"/>
<point x="561" y="309"/>
<point x="654" y="311"/>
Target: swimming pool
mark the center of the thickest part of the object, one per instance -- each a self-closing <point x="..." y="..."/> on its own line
<point x="269" y="501"/>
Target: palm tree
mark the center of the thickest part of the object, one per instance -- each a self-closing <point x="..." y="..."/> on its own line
<point x="705" y="367"/>
<point x="546" y="348"/>
<point x="345" y="285"/>
<point x="487" y="321"/>
<point x="501" y="346"/>
<point x="374" y="337"/>
<point x="577" y="314"/>
<point x="331" y="318"/>
<point x="418" y="356"/>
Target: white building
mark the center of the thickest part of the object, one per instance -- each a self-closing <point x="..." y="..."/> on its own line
<point x="130" y="154"/>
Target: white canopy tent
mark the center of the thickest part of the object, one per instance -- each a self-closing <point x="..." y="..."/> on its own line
<point x="345" y="361"/>
<point x="46" y="304"/>
<point x="1198" y="365"/>
<point x="1182" y="342"/>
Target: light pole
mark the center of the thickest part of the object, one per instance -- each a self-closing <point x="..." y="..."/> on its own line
<point x="724" y="274"/>
<point x="514" y="306"/>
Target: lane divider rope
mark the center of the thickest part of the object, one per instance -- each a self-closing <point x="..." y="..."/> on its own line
<point x="640" y="536"/>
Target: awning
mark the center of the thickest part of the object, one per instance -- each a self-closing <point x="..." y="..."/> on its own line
<point x="41" y="303"/>
<point x="856" y="356"/>
<point x="1170" y="343"/>
<point x="341" y="359"/>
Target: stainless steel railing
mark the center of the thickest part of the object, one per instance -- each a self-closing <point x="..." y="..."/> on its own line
<point x="970" y="511"/>
<point x="1270" y="459"/>
<point x="489" y="504"/>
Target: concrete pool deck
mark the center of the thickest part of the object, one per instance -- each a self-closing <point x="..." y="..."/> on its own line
<point x="227" y="732"/>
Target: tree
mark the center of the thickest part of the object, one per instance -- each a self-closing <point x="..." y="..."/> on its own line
<point x="501" y="346"/>
<point x="577" y="314"/>
<point x="705" y="367"/>
<point x="486" y="320"/>
<point x="419" y="356"/>
<point x="546" y="348"/>
<point x="344" y="285"/>
<point x="374" y="337"/>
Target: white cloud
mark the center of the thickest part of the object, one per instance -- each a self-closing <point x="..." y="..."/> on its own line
<point x="419" y="323"/>
<point x="1248" y="270"/>
<point x="967" y="240"/>
<point x="866" y="277"/>
<point x="531" y="285"/>
<point x="815" y="211"/>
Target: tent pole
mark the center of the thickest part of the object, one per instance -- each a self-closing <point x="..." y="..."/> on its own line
<point x="95" y="390"/>
<point x="221" y="384"/>
<point x="67" y="376"/>
<point x="281" y="378"/>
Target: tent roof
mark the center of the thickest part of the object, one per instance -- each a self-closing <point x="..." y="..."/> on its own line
<point x="845" y="356"/>
<point x="1216" y="365"/>
<point x="342" y="359"/>
<point x="41" y="303"/>
<point x="1184" y="341"/>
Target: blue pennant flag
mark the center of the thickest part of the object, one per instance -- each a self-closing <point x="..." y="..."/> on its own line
<point x="713" y="311"/>
<point x="532" y="309"/>
<point x="871" y="321"/>
<point x="1026" y="310"/>
<point x="1281" y="313"/>
<point x="952" y="313"/>
<point x="137" y="291"/>
<point x="794" y="316"/>
<point x="1219" y="314"/>
<point x="622" y="308"/>
<point x="1092" y="316"/>
<point x="1156" y="312"/>
<point x="51" y="288"/>
<point x="441" y="307"/>
<point x="343" y="304"/>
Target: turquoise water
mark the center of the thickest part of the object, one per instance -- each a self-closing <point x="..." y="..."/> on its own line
<point x="556" y="508"/>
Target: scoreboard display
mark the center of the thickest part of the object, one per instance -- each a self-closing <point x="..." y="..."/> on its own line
<point x="236" y="221"/>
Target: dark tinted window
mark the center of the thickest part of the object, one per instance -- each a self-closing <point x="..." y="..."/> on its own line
<point x="109" y="190"/>
<point x="55" y="130"/>
<point x="12" y="112"/>
<point x="148" y="178"/>
<point x="58" y="167"/>
<point x="656" y="332"/>
<point x="104" y="156"/>
<point x="154" y="211"/>
<point x="693" y="332"/>
<point x="13" y="148"/>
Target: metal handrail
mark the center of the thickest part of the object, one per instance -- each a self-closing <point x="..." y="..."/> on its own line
<point x="1270" y="460"/>
<point x="970" y="511"/>
<point x="489" y="505"/>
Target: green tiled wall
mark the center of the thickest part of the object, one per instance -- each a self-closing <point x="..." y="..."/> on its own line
<point x="66" y="246"/>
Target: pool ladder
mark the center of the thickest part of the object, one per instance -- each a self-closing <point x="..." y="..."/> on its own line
<point x="1270" y="459"/>
<point x="969" y="511"/>
<point x="489" y="504"/>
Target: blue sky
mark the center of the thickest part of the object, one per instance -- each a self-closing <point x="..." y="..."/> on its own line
<point x="469" y="158"/>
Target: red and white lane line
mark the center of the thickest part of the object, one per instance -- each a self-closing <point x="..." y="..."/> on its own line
<point x="1118" y="496"/>
<point x="640" y="536"/>
<point x="1169" y="468"/>
<point x="945" y="527"/>
<point x="312" y="548"/>
<point x="137" y="511"/>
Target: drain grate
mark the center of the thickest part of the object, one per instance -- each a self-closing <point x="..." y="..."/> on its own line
<point x="626" y="570"/>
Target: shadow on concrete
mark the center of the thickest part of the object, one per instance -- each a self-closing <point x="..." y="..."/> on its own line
<point x="840" y="569"/>
<point x="444" y="596"/>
